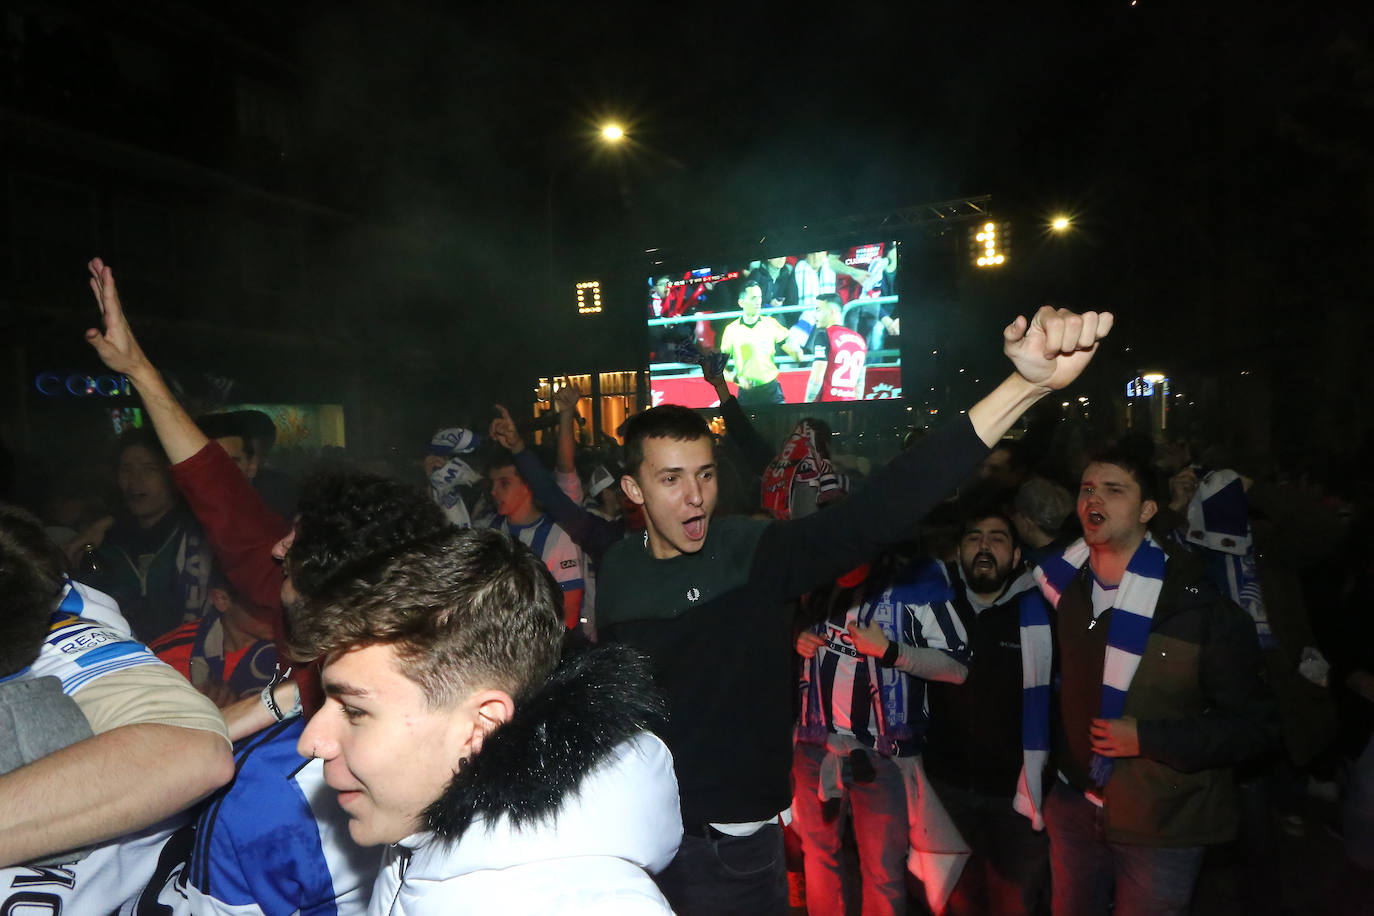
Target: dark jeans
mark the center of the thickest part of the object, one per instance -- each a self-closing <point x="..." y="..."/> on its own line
<point x="728" y="875"/>
<point x="762" y="396"/>
<point x="1149" y="880"/>
<point x="1010" y="866"/>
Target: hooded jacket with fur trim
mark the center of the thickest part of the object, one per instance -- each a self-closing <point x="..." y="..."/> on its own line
<point x="569" y="807"/>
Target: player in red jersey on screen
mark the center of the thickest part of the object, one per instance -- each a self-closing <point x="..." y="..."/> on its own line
<point x="837" y="374"/>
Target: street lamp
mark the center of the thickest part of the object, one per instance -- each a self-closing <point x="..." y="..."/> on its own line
<point x="610" y="134"/>
<point x="1060" y="224"/>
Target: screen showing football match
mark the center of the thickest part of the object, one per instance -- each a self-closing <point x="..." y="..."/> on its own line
<point x="802" y="327"/>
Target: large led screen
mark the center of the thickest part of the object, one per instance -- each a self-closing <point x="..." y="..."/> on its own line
<point x="817" y="326"/>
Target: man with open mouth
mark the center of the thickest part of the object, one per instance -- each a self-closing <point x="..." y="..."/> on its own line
<point x="1156" y="697"/>
<point x="709" y="601"/>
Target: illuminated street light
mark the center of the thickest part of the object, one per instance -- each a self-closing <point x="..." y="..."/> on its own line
<point x="609" y="135"/>
<point x="1060" y="224"/>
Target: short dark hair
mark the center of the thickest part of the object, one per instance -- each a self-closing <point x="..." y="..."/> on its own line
<point x="499" y="457"/>
<point x="31" y="580"/>
<point x="259" y="427"/>
<point x="347" y="519"/>
<point x="223" y="425"/>
<point x="978" y="513"/>
<point x="667" y="421"/>
<point x="465" y="609"/>
<point x="744" y="288"/>
<point x="1134" y="463"/>
<point x="141" y="437"/>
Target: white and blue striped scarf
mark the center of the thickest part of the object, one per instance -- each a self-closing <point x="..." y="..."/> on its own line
<point x="446" y="482"/>
<point x="1219" y="522"/>
<point x="1128" y="629"/>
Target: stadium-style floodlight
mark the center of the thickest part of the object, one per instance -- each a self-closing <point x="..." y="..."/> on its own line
<point x="589" y="298"/>
<point x="988" y="250"/>
<point x="1060" y="224"/>
<point x="612" y="133"/>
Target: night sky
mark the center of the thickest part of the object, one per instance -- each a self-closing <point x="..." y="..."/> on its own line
<point x="1212" y="154"/>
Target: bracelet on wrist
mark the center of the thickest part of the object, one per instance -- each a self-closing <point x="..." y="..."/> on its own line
<point x="890" y="657"/>
<point x="270" y="702"/>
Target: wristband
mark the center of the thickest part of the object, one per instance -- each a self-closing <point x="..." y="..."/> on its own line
<point x="269" y="700"/>
<point x="891" y="655"/>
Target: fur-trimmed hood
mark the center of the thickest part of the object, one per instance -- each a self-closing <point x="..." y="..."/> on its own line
<point x="575" y="786"/>
<point x="594" y="701"/>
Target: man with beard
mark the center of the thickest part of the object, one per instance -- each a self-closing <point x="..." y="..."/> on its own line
<point x="973" y="751"/>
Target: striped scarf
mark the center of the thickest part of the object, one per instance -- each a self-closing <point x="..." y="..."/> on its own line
<point x="1128" y="629"/>
<point x="446" y="482"/>
<point x="800" y="463"/>
<point x="1219" y="521"/>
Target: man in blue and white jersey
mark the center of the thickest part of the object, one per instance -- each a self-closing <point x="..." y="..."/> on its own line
<point x="275" y="841"/>
<point x="270" y="842"/>
<point x="157" y="745"/>
<point x="518" y="516"/>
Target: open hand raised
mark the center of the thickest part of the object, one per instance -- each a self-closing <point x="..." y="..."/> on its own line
<point x="117" y="347"/>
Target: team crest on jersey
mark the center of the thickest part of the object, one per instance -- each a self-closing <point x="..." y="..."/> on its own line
<point x="693" y="594"/>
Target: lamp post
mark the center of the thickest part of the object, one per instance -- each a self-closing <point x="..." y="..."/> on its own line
<point x="609" y="134"/>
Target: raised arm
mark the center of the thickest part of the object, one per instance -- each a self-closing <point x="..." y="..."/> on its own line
<point x="593" y="534"/>
<point x="565" y="402"/>
<point x="240" y="526"/>
<point x="757" y="452"/>
<point x="119" y="350"/>
<point x="1049" y="352"/>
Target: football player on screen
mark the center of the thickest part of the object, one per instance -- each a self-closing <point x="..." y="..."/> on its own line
<point x="837" y="373"/>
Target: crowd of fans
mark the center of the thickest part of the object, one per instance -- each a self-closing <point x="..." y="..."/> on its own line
<point x="679" y="673"/>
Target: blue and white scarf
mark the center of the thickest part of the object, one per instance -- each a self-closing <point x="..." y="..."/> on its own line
<point x="1219" y="521"/>
<point x="1128" y="630"/>
<point x="446" y="482"/>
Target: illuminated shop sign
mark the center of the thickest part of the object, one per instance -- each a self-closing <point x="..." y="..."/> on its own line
<point x="1144" y="386"/>
<point x="80" y="385"/>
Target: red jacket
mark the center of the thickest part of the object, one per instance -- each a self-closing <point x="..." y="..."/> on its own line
<point x="242" y="531"/>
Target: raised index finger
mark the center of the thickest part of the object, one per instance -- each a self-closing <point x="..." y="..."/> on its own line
<point x="505" y="414"/>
